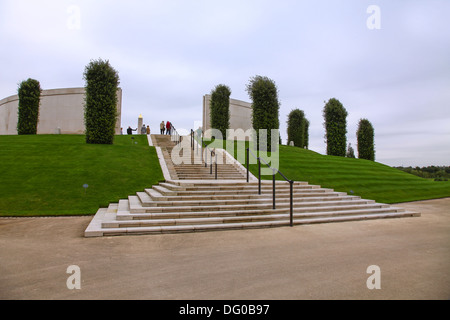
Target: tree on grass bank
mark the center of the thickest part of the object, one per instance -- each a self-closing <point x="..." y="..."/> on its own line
<point x="29" y="92"/>
<point x="298" y="127"/>
<point x="220" y="108"/>
<point x="366" y="136"/>
<point x="100" y="112"/>
<point x="265" y="109"/>
<point x="335" y="125"/>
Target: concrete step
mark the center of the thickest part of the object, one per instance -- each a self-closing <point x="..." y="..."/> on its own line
<point x="150" y="198"/>
<point x="136" y="206"/>
<point x="297" y="218"/>
<point x="233" y="186"/>
<point x="128" y="228"/>
<point x="231" y="212"/>
<point x="158" y="193"/>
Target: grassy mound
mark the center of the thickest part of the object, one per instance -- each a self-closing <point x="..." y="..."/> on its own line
<point x="45" y="174"/>
<point x="368" y="179"/>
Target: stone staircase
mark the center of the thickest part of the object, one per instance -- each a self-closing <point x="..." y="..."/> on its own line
<point x="193" y="206"/>
<point x="192" y="200"/>
<point x="193" y="165"/>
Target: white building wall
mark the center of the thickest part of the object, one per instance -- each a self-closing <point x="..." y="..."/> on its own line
<point x="60" y="110"/>
<point x="240" y="115"/>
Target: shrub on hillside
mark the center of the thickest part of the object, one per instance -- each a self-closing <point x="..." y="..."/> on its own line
<point x="365" y="135"/>
<point x="297" y="128"/>
<point x="335" y="124"/>
<point x="220" y="108"/>
<point x="265" y="109"/>
<point x="28" y="114"/>
<point x="100" y="112"/>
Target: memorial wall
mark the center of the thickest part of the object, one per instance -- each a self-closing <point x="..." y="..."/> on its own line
<point x="240" y="115"/>
<point x="60" y="111"/>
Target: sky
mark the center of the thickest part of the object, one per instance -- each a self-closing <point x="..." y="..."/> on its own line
<point x="385" y="61"/>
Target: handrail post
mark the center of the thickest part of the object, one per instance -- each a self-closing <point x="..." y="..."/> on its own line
<point x="210" y="163"/>
<point x="259" y="176"/>
<point x="216" y="167"/>
<point x="248" y="156"/>
<point x="273" y="190"/>
<point x="291" y="185"/>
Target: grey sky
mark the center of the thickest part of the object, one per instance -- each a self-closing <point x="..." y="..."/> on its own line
<point x="170" y="53"/>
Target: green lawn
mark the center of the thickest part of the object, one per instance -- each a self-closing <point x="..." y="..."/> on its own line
<point x="368" y="179"/>
<point x="45" y="174"/>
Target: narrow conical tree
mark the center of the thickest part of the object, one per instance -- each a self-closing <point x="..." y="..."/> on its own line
<point x="335" y="125"/>
<point x="29" y="93"/>
<point x="220" y="108"/>
<point x="100" y="112"/>
<point x="366" y="140"/>
<point x="306" y="134"/>
<point x="298" y="127"/>
<point x="265" y="108"/>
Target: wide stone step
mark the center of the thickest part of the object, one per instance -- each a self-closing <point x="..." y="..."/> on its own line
<point x="149" y="198"/>
<point x="207" y="173"/>
<point x="202" y="167"/>
<point x="135" y="206"/>
<point x="235" y="187"/>
<point x="177" y="190"/>
<point x="144" y="228"/>
<point x="162" y="194"/>
<point x="167" y="221"/>
<point x="300" y="212"/>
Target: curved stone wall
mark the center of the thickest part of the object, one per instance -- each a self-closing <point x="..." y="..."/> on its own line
<point x="60" y="111"/>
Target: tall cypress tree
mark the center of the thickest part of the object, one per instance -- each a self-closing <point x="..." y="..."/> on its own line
<point x="29" y="92"/>
<point x="100" y="112"/>
<point x="297" y="129"/>
<point x="265" y="108"/>
<point x="335" y="125"/>
<point x="306" y="134"/>
<point x="366" y="140"/>
<point x="220" y="108"/>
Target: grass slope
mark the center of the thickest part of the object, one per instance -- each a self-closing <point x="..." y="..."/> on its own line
<point x="368" y="179"/>
<point x="45" y="174"/>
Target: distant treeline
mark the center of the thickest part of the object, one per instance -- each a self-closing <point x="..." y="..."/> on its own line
<point x="438" y="173"/>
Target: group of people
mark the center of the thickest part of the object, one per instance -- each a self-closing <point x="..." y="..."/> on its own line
<point x="164" y="128"/>
<point x="144" y="130"/>
<point x="167" y="127"/>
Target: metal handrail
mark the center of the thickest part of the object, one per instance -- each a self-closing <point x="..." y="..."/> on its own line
<point x="175" y="136"/>
<point x="212" y="153"/>
<point x="274" y="171"/>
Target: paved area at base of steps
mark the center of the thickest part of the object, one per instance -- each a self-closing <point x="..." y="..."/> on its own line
<point x="322" y="261"/>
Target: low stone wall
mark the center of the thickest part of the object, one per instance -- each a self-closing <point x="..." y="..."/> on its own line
<point x="60" y="111"/>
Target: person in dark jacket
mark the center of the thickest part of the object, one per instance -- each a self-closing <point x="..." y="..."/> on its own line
<point x="130" y="131"/>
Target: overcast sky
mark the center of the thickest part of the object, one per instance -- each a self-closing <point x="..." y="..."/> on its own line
<point x="387" y="61"/>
